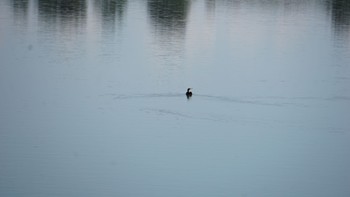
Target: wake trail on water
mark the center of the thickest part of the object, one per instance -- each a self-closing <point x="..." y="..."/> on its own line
<point x="263" y="101"/>
<point x="266" y="101"/>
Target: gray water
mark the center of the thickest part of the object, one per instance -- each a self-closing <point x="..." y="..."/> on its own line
<point x="92" y="98"/>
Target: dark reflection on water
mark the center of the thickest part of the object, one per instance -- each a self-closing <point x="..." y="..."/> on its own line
<point x="62" y="9"/>
<point x="210" y="5"/>
<point x="62" y="14"/>
<point x="112" y="13"/>
<point x="20" y="8"/>
<point x="168" y="22"/>
<point x="169" y="17"/>
<point x="341" y="13"/>
<point x="341" y="19"/>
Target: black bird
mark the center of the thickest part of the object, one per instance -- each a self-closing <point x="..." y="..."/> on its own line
<point x="188" y="93"/>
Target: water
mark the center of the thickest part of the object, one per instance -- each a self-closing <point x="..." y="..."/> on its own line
<point x="93" y="98"/>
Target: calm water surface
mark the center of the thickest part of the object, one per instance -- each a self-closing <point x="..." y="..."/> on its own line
<point x="92" y="98"/>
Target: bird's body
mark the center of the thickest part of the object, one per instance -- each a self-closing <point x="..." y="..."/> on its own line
<point x="188" y="93"/>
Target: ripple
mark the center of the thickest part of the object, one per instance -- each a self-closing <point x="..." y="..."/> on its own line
<point x="168" y="112"/>
<point x="276" y="101"/>
<point x="146" y="96"/>
<point x="265" y="101"/>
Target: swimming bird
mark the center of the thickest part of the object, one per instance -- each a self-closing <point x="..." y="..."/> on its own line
<point x="188" y="93"/>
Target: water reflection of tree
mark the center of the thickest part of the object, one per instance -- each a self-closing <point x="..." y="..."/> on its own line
<point x="110" y="11"/>
<point x="169" y="16"/>
<point x="210" y="4"/>
<point x="168" y="19"/>
<point x="340" y="10"/>
<point x="20" y="8"/>
<point x="63" y="11"/>
<point x="341" y="14"/>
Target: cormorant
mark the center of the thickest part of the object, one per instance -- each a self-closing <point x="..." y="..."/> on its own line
<point x="188" y="93"/>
